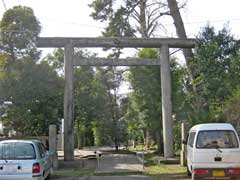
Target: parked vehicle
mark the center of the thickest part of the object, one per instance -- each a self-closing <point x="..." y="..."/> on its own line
<point x="24" y="160"/>
<point x="213" y="152"/>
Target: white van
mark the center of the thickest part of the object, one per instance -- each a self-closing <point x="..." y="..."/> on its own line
<point x="213" y="152"/>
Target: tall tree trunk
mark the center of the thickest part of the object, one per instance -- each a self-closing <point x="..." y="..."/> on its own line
<point x="143" y="26"/>
<point x="144" y="34"/>
<point x="178" y="22"/>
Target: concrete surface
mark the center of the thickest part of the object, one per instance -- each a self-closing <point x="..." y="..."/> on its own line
<point x="115" y="163"/>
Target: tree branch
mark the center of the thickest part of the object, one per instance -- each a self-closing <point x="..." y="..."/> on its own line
<point x="155" y="20"/>
<point x="153" y="29"/>
<point x="135" y="15"/>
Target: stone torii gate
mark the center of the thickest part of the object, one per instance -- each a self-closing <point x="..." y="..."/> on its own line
<point x="71" y="60"/>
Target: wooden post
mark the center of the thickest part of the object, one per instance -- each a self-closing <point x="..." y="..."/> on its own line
<point x="68" y="104"/>
<point x="53" y="145"/>
<point x="166" y="102"/>
<point x="184" y="131"/>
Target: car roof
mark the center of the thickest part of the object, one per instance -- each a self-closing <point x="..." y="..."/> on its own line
<point x="212" y="126"/>
<point x="20" y="140"/>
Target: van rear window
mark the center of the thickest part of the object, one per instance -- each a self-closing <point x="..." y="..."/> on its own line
<point x="17" y="150"/>
<point x="216" y="139"/>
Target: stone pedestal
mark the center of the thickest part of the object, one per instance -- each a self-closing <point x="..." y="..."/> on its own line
<point x="53" y="146"/>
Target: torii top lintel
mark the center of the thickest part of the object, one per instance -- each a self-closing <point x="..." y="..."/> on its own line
<point x="59" y="42"/>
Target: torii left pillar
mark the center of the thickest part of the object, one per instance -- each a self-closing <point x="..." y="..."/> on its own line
<point x="68" y="104"/>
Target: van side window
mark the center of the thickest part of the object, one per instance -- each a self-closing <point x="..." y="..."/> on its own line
<point x="191" y="138"/>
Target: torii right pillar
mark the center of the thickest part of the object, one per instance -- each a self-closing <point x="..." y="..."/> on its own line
<point x="166" y="102"/>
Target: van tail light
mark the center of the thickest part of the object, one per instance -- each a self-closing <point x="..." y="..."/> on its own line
<point x="234" y="171"/>
<point x="36" y="168"/>
<point x="200" y="171"/>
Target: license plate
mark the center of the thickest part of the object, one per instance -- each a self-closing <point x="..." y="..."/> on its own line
<point x="218" y="173"/>
<point x="10" y="168"/>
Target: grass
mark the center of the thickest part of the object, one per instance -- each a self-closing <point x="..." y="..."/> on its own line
<point x="139" y="147"/>
<point x="73" y="172"/>
<point x="164" y="171"/>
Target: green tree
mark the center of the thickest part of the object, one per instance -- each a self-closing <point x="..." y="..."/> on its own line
<point x="231" y="109"/>
<point x="216" y="73"/>
<point x="129" y="18"/>
<point x="113" y="125"/>
<point x="97" y="112"/>
<point x="19" y="29"/>
<point x="56" y="59"/>
<point x="145" y="82"/>
<point x="102" y="124"/>
<point x="85" y="107"/>
<point x="146" y="97"/>
<point x="36" y="93"/>
<point x="35" y="90"/>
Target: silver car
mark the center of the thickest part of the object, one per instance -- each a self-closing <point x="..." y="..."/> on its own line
<point x="24" y="160"/>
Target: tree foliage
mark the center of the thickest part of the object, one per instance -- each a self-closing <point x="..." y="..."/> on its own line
<point x="56" y="59"/>
<point x="129" y="18"/>
<point x="111" y="125"/>
<point x="216" y="72"/>
<point x="97" y="110"/>
<point x="19" y="29"/>
<point x="146" y="108"/>
<point x="36" y="93"/>
<point x="34" y="89"/>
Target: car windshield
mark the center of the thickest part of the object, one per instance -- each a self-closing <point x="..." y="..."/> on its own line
<point x="217" y="139"/>
<point x="17" y="150"/>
